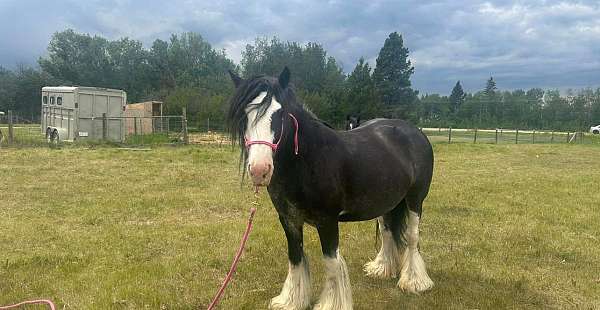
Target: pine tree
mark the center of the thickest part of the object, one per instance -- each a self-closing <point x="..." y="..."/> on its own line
<point x="487" y="108"/>
<point x="361" y="99"/>
<point x="392" y="77"/>
<point x="490" y="88"/>
<point x="457" y="97"/>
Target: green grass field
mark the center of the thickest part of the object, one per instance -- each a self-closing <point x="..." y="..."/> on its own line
<point x="504" y="227"/>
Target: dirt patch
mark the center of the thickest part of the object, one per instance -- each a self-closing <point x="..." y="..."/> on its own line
<point x="210" y="137"/>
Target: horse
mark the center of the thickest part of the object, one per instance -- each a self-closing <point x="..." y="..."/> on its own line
<point x="352" y="122"/>
<point x="318" y="176"/>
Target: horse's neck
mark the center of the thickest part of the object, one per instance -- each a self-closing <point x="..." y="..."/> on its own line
<point x="313" y="138"/>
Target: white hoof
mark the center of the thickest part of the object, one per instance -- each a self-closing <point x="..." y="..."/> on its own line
<point x="295" y="294"/>
<point x="284" y="303"/>
<point x="337" y="293"/>
<point x="415" y="285"/>
<point x="385" y="265"/>
<point x="413" y="277"/>
<point x="381" y="268"/>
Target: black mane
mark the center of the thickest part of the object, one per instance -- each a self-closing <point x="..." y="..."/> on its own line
<point x="250" y="89"/>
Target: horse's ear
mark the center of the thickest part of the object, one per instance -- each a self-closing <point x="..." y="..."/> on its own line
<point x="237" y="80"/>
<point x="284" y="78"/>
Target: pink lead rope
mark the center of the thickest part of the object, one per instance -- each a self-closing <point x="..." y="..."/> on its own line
<point x="295" y="133"/>
<point x="215" y="301"/>
<point x="32" y="302"/>
<point x="274" y="146"/>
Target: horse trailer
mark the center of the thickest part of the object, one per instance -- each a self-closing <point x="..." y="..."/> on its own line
<point x="83" y="113"/>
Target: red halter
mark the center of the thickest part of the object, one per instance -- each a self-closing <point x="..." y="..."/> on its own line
<point x="274" y="146"/>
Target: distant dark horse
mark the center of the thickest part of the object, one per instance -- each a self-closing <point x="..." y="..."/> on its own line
<point x="319" y="176"/>
<point x="352" y="122"/>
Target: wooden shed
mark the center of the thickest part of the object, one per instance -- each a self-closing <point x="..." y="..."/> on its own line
<point x="143" y="117"/>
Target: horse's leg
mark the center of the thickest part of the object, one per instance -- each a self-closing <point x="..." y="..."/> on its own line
<point x="295" y="294"/>
<point x="413" y="275"/>
<point x="336" y="294"/>
<point x="386" y="264"/>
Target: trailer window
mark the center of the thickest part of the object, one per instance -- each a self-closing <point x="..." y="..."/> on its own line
<point x="59" y="100"/>
<point x="51" y="100"/>
<point x="45" y="99"/>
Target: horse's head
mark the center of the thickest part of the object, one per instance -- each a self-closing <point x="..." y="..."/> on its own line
<point x="256" y="117"/>
<point x="352" y="122"/>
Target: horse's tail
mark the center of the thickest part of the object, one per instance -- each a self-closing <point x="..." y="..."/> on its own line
<point x="399" y="218"/>
<point x="377" y="234"/>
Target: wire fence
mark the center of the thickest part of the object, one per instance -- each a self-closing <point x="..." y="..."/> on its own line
<point x="59" y="128"/>
<point x="151" y="130"/>
<point x="208" y="132"/>
<point x="155" y="130"/>
<point x="15" y="130"/>
<point x="507" y="136"/>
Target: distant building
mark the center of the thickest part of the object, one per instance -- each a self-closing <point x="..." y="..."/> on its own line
<point x="144" y="118"/>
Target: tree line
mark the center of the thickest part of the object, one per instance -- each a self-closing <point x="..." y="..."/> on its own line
<point x="186" y="71"/>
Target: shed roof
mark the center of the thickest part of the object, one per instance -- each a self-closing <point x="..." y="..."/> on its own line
<point x="64" y="89"/>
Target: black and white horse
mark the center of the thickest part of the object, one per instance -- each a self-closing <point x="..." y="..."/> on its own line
<point x="318" y="176"/>
<point x="352" y="122"/>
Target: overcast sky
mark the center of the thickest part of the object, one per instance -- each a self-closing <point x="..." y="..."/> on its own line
<point x="522" y="44"/>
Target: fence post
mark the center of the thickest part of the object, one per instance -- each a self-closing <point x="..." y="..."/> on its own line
<point x="104" y="127"/>
<point x="533" y="137"/>
<point x="475" y="136"/>
<point x="135" y="125"/>
<point x="496" y="135"/>
<point x="450" y="134"/>
<point x="517" y="137"/>
<point x="186" y="139"/>
<point x="208" y="124"/>
<point x="142" y="133"/>
<point x="552" y="137"/>
<point x="568" y="135"/>
<point x="10" y="127"/>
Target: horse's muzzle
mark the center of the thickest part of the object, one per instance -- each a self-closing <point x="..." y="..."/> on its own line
<point x="260" y="173"/>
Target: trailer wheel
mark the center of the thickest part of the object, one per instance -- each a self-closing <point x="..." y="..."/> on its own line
<point x="55" y="138"/>
<point x="49" y="135"/>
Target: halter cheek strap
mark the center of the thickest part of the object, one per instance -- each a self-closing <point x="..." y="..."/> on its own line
<point x="274" y="146"/>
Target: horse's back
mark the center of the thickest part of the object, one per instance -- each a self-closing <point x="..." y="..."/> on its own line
<point x="390" y="158"/>
<point x="394" y="133"/>
<point x="408" y="141"/>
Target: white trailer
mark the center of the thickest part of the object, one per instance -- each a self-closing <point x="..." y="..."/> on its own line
<point x="72" y="113"/>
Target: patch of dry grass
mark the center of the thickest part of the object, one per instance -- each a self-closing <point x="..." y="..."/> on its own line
<point x="505" y="226"/>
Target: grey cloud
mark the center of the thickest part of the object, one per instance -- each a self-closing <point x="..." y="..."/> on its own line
<point x="540" y="43"/>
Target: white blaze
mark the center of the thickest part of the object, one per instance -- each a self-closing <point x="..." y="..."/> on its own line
<point x="260" y="130"/>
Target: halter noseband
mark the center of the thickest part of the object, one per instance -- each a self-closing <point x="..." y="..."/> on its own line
<point x="273" y="146"/>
